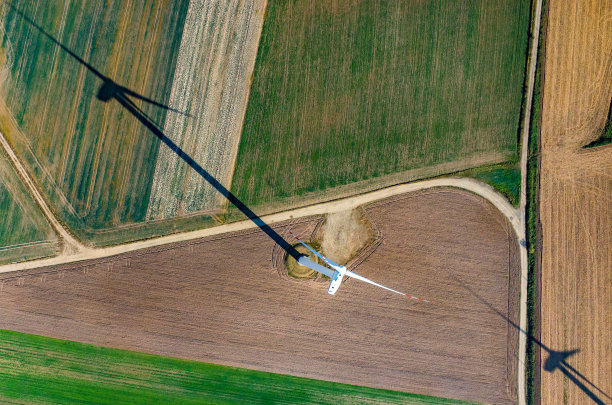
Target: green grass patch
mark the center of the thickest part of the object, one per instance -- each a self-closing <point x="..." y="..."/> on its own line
<point x="531" y="211"/>
<point x="505" y="178"/>
<point x="606" y="135"/>
<point x="40" y="369"/>
<point x="345" y="91"/>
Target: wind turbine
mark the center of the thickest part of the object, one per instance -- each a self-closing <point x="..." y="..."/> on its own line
<point x="111" y="90"/>
<point x="337" y="272"/>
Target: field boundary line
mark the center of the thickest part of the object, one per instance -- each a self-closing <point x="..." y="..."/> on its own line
<point x="71" y="245"/>
<point x="472" y="185"/>
<point x="522" y="232"/>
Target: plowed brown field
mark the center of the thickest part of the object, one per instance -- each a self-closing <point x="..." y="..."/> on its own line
<point x="221" y="300"/>
<point x="576" y="202"/>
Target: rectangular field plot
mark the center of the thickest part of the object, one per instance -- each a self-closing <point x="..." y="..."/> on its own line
<point x="345" y="91"/>
<point x="24" y="232"/>
<point x="575" y="206"/>
<point x="212" y="80"/>
<point x="93" y="159"/>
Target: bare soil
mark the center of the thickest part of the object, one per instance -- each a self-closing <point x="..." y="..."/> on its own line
<point x="344" y="234"/>
<point x="575" y="207"/>
<point x="221" y="300"/>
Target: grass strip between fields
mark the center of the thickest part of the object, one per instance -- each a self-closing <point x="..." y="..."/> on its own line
<point x="531" y="213"/>
<point x="41" y="369"/>
<point x="504" y="177"/>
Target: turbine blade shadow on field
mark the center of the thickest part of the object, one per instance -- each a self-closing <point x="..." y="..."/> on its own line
<point x="146" y="121"/>
<point x="111" y="90"/>
<point x="556" y="359"/>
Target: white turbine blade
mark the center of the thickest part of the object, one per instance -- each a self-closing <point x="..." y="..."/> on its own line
<point x="320" y="256"/>
<point x="305" y="261"/>
<point x="358" y="277"/>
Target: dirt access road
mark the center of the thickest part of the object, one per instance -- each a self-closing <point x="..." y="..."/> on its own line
<point x="345" y="204"/>
<point x="575" y="206"/>
<point x="221" y="299"/>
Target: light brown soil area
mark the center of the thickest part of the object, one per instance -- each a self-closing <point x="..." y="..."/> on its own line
<point x="222" y="300"/>
<point x="344" y="234"/>
<point x="575" y="205"/>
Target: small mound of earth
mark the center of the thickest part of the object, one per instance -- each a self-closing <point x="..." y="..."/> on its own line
<point x="298" y="271"/>
<point x="344" y="234"/>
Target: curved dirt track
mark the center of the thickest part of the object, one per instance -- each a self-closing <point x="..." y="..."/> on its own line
<point x="472" y="185"/>
<point x="220" y="299"/>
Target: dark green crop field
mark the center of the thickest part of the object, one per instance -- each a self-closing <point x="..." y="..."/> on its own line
<point x="24" y="232"/>
<point x="346" y="90"/>
<point x="606" y="134"/>
<point x="93" y="159"/>
<point x="36" y="369"/>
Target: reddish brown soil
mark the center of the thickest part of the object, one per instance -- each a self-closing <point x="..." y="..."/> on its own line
<point x="222" y="300"/>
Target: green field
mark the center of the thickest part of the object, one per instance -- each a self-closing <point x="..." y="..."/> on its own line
<point x="36" y="369"/>
<point x="93" y="159"/>
<point x="24" y="232"/>
<point x="606" y="134"/>
<point x="345" y="91"/>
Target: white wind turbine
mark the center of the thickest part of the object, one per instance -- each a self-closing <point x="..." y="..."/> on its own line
<point x="336" y="272"/>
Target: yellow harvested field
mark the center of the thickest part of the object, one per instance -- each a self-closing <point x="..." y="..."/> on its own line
<point x="575" y="206"/>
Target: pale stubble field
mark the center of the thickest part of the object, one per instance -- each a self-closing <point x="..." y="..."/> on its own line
<point x="575" y="201"/>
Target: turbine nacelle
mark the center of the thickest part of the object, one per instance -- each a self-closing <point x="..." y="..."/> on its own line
<point x="335" y="283"/>
<point x="337" y="272"/>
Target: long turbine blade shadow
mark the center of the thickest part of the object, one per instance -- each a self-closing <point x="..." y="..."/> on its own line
<point x="109" y="87"/>
<point x="146" y="120"/>
<point x="111" y="90"/>
<point x="555" y="360"/>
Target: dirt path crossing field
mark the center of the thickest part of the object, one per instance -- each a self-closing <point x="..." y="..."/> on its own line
<point x="474" y="186"/>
